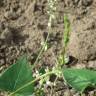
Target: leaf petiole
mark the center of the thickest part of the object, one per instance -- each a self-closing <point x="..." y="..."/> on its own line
<point x="33" y="81"/>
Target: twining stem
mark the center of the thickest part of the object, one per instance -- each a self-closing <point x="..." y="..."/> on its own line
<point x="42" y="49"/>
<point x="33" y="81"/>
<point x="52" y="8"/>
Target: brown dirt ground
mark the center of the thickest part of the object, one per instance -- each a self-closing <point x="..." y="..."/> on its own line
<point x="23" y="26"/>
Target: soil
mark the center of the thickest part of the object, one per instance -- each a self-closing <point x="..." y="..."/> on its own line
<point x="23" y="27"/>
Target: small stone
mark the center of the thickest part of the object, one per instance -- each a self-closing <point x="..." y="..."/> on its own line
<point x="87" y="2"/>
<point x="11" y="15"/>
<point x="67" y="93"/>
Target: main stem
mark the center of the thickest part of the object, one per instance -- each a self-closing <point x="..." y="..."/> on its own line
<point x="42" y="49"/>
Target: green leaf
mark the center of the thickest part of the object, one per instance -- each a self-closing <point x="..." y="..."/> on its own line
<point x="80" y="78"/>
<point x="16" y="76"/>
<point x="42" y="71"/>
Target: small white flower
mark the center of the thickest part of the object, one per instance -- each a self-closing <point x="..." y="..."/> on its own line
<point x="66" y="59"/>
<point x="48" y="83"/>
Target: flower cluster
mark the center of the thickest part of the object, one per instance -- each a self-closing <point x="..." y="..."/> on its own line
<point x="51" y="11"/>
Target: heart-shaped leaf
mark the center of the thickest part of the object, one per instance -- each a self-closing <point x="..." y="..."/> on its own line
<point x="16" y="76"/>
<point x="80" y="78"/>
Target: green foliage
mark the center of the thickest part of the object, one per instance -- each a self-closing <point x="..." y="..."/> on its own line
<point x="18" y="79"/>
<point x="63" y="58"/>
<point x="16" y="76"/>
<point x="80" y="78"/>
<point x="42" y="71"/>
<point x="39" y="92"/>
<point x="66" y="30"/>
<point x="43" y="80"/>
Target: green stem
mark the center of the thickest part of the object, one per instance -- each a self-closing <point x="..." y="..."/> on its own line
<point x="66" y="35"/>
<point x="64" y="50"/>
<point x="33" y="81"/>
<point x="42" y="49"/>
